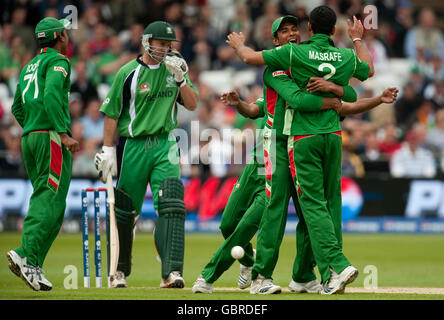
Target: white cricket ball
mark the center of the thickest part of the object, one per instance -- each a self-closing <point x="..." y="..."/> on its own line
<point x="237" y="252"/>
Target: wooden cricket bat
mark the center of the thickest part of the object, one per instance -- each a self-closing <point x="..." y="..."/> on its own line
<point x="113" y="232"/>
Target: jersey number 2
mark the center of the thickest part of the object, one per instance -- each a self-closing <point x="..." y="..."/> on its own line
<point x="322" y="66"/>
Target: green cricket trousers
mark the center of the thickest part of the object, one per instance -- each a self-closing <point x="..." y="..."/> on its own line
<point x="315" y="161"/>
<point x="48" y="164"/>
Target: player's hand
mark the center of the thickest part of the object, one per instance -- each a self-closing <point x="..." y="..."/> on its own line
<point x="177" y="66"/>
<point x="332" y="103"/>
<point x="230" y="98"/>
<point x="356" y="30"/>
<point x="235" y="40"/>
<point x="389" y="95"/>
<point x="71" y="144"/>
<point x="319" y="84"/>
<point x="106" y="162"/>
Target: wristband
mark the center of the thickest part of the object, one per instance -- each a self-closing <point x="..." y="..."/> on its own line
<point x="357" y="39"/>
<point x="181" y="84"/>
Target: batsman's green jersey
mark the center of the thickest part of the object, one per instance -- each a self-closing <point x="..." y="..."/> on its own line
<point x="316" y="57"/>
<point x="143" y="99"/>
<point x="41" y="108"/>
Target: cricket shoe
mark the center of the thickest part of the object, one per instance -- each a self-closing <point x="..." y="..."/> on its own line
<point x="244" y="280"/>
<point x="337" y="282"/>
<point x="264" y="286"/>
<point x="119" y="280"/>
<point x="305" y="287"/>
<point x="174" y="280"/>
<point x="26" y="272"/>
<point x="202" y="286"/>
<point x="45" y="284"/>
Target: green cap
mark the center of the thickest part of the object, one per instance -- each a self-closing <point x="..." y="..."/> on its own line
<point x="161" y="30"/>
<point x="277" y="23"/>
<point x="50" y="28"/>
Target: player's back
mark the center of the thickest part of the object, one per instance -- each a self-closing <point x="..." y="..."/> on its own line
<point x="33" y="88"/>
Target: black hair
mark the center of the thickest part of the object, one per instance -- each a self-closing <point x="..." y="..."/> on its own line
<point x="49" y="44"/>
<point x="322" y="20"/>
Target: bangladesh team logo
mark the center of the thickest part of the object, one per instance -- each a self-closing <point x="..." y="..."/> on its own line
<point x="144" y="88"/>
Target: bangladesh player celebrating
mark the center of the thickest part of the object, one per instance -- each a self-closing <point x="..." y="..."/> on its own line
<point x="142" y="107"/>
<point x="246" y="204"/>
<point x="314" y="144"/>
<point x="41" y="108"/>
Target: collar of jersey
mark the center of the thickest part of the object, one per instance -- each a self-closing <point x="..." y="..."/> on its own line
<point x="153" y="67"/>
<point x="321" y="38"/>
<point x="49" y="50"/>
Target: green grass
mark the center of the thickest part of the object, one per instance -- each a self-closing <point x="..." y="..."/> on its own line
<point x="401" y="261"/>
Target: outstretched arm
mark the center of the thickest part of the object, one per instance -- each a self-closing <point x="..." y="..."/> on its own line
<point x="248" y="110"/>
<point x="363" y="105"/>
<point x="246" y="54"/>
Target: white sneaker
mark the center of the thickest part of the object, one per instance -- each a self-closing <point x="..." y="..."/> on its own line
<point x="305" y="287"/>
<point x="264" y="286"/>
<point x="119" y="280"/>
<point x="174" y="280"/>
<point x="26" y="272"/>
<point x="337" y="282"/>
<point x="45" y="284"/>
<point x="202" y="286"/>
<point x="244" y="280"/>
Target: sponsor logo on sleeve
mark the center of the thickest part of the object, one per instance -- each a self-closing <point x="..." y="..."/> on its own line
<point x="279" y="73"/>
<point x="61" y="69"/>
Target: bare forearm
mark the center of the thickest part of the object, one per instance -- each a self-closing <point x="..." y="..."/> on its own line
<point x="189" y="97"/>
<point x="248" y="110"/>
<point x="249" y="56"/>
<point x="109" y="131"/>
<point x="364" y="55"/>
<point x="362" y="105"/>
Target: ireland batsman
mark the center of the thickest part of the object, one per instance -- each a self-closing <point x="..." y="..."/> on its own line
<point x="41" y="108"/>
<point x="142" y="106"/>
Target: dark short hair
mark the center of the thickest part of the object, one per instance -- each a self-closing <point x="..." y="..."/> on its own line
<point x="49" y="44"/>
<point x="322" y="20"/>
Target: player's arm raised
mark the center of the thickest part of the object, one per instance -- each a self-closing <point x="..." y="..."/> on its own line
<point x="363" y="105"/>
<point x="355" y="33"/>
<point x="248" y="110"/>
<point x="246" y="54"/>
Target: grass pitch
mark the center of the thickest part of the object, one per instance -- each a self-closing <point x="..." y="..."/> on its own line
<point x="385" y="260"/>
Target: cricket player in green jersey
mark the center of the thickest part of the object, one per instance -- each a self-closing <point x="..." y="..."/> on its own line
<point x="247" y="194"/>
<point x="41" y="108"/>
<point x="142" y="107"/>
<point x="314" y="144"/>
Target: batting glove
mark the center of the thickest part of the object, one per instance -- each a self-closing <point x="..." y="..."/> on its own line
<point x="106" y="162"/>
<point x="178" y="67"/>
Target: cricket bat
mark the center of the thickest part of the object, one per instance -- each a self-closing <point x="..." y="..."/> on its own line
<point x="113" y="232"/>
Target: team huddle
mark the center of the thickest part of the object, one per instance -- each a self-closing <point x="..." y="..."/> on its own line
<point x="305" y="96"/>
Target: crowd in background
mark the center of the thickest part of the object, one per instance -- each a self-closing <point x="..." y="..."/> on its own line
<point x="405" y="139"/>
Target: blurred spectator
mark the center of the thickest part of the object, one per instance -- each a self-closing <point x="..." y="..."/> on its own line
<point x="425" y="39"/>
<point x="262" y="37"/>
<point x="390" y="142"/>
<point x="201" y="50"/>
<point x="110" y="61"/>
<point x="82" y="84"/>
<point x="21" y="29"/>
<point x="84" y="55"/>
<point x="377" y="51"/>
<point x="100" y="41"/>
<point x="352" y="165"/>
<point x="373" y="159"/>
<point x="11" y="65"/>
<point x="93" y="122"/>
<point x="76" y="106"/>
<point x="406" y="106"/>
<point x="435" y="136"/>
<point x="83" y="164"/>
<point x="426" y="113"/>
<point x="133" y="44"/>
<point x="412" y="161"/>
<point x="11" y="160"/>
<point x="241" y="22"/>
